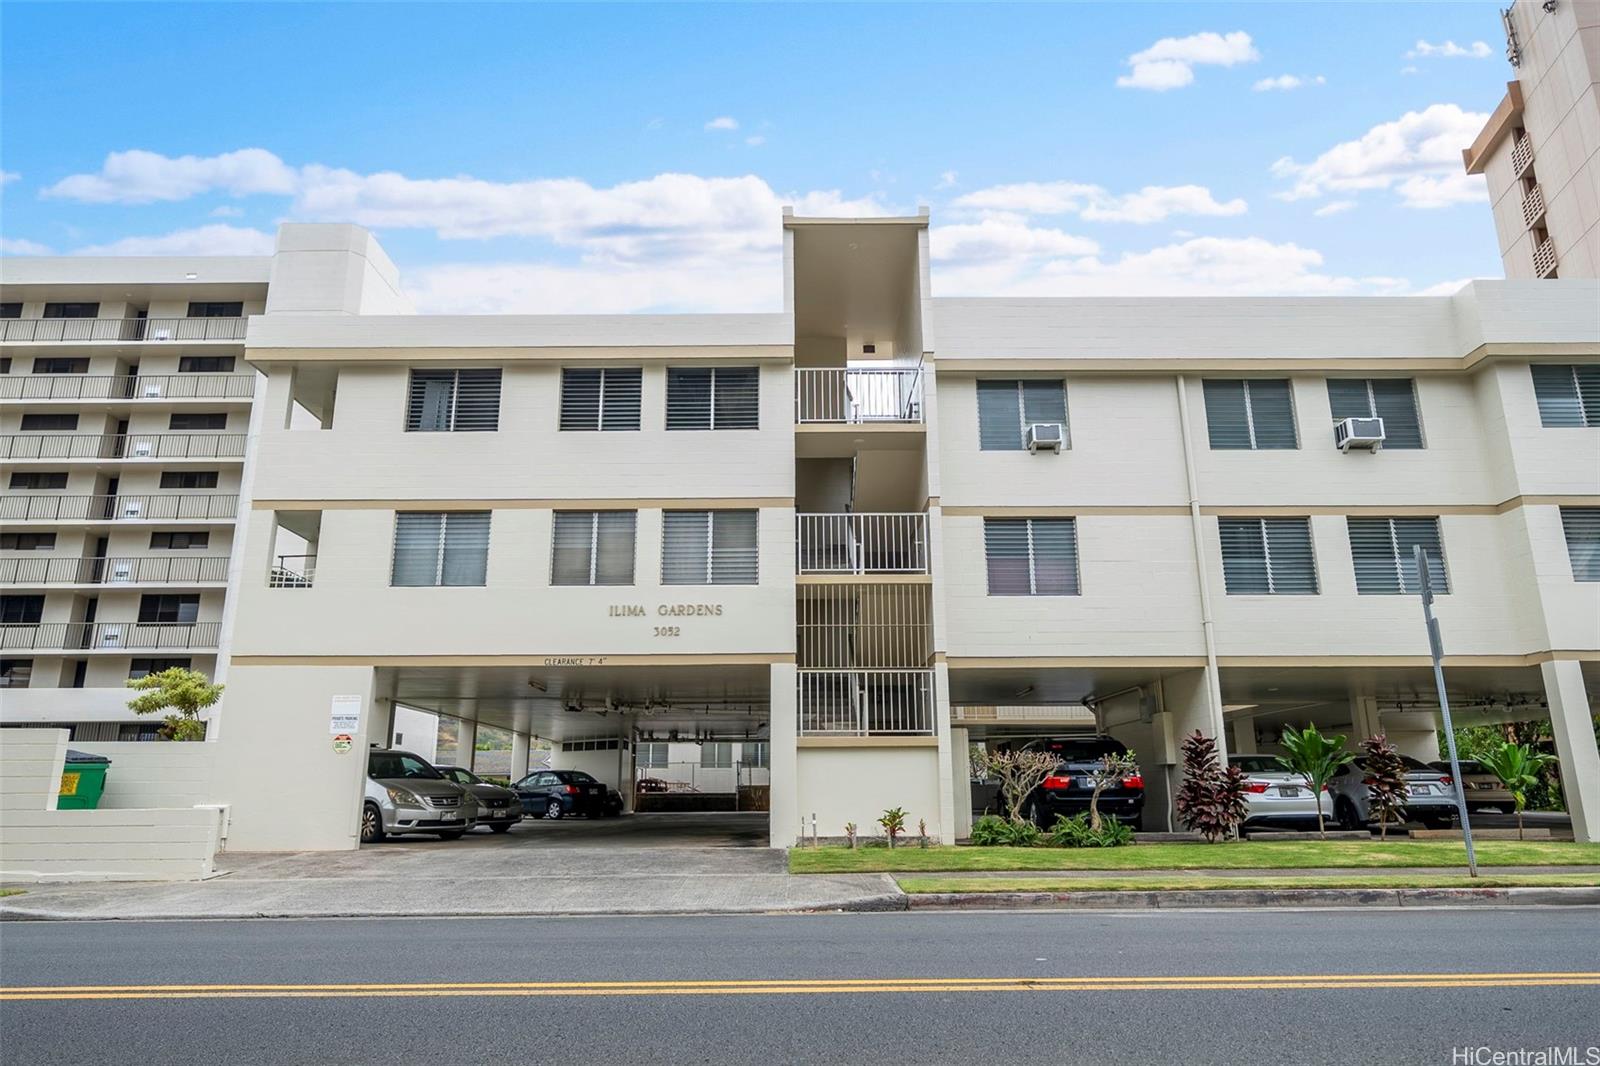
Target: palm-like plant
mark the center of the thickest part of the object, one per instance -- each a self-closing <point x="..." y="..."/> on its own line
<point x="1517" y="766"/>
<point x="1316" y="758"/>
<point x="1386" y="781"/>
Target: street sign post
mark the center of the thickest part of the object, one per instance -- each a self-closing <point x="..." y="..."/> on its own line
<point x="1436" y="649"/>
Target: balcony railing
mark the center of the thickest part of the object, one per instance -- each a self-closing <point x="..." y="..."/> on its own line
<point x="45" y="507"/>
<point x="122" y="446"/>
<point x="1533" y="206"/>
<point x="107" y="636"/>
<point x="1544" y="259"/>
<point x="1521" y="155"/>
<point x="136" y="330"/>
<point x="176" y="569"/>
<point x="861" y="703"/>
<point x="853" y="397"/>
<point x="861" y="543"/>
<point x="292" y="572"/>
<point x="127" y="386"/>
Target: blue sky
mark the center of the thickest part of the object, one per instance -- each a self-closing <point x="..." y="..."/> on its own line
<point x="613" y="157"/>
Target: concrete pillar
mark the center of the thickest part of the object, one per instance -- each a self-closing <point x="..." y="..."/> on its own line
<point x="381" y="733"/>
<point x="1572" y="723"/>
<point x="519" y="756"/>
<point x="467" y="748"/>
<point x="784" y="771"/>
<point x="1244" y="737"/>
<point x="1364" y="719"/>
<point x="961" y="781"/>
<point x="946" y="830"/>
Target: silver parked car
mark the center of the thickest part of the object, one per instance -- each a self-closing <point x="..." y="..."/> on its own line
<point x="1431" y="799"/>
<point x="405" y="794"/>
<point x="1277" y="796"/>
<point x="498" y="808"/>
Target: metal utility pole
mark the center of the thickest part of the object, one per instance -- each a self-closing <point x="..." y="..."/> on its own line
<point x="1436" y="648"/>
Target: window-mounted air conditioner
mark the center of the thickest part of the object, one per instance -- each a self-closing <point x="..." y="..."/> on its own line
<point x="1365" y="433"/>
<point x="1046" y="436"/>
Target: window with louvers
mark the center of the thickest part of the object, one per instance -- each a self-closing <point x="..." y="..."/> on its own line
<point x="440" y="548"/>
<point x="1568" y="396"/>
<point x="1267" y="556"/>
<point x="1383" y="550"/>
<point x="1257" y="413"/>
<point x="724" y="397"/>
<point x="1392" y="399"/>
<point x="1007" y="408"/>
<point x="592" y="548"/>
<point x="708" y="548"/>
<point x="600" y="398"/>
<point x="1031" y="556"/>
<point x="651" y="754"/>
<point x="454" y="401"/>
<point x="1582" y="528"/>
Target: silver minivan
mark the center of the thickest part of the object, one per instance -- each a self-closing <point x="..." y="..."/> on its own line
<point x="405" y="794"/>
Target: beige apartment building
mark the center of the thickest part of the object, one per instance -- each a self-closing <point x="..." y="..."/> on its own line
<point x="1540" y="149"/>
<point x="855" y="536"/>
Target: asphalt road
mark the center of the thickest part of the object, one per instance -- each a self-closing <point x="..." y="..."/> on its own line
<point x="979" y="988"/>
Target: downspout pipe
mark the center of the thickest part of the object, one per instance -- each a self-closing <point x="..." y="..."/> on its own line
<point x="1197" y="531"/>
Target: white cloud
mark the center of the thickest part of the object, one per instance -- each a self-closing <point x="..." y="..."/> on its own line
<point x="755" y="140"/>
<point x="1286" y="83"/>
<point x="1170" y="62"/>
<point x="947" y="180"/>
<point x="1408" y="69"/>
<point x="19" y="246"/>
<point x="1334" y="207"/>
<point x="1445" y="288"/>
<point x="9" y="176"/>
<point x="996" y="239"/>
<point x="141" y="177"/>
<point x="740" y="283"/>
<point x="1152" y="203"/>
<point x="1418" y="156"/>
<point x="226" y="211"/>
<point x="723" y="122"/>
<point x="216" y="239"/>
<point x="1450" y="50"/>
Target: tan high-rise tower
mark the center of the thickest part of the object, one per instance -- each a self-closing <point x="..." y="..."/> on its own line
<point x="1541" y="147"/>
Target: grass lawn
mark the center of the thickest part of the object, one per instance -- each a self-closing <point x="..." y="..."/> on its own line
<point x="11" y="892"/>
<point x="1165" y="882"/>
<point x="1235" y="855"/>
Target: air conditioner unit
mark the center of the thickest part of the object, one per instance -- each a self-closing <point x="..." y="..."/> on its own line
<point x="132" y="508"/>
<point x="111" y="637"/>
<point x="1046" y="436"/>
<point x="143" y="447"/>
<point x="1364" y="433"/>
<point x="152" y="389"/>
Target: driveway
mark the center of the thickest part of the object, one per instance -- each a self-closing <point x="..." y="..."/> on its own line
<point x="714" y="829"/>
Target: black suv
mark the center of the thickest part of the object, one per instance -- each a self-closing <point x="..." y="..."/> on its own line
<point x="1068" y="788"/>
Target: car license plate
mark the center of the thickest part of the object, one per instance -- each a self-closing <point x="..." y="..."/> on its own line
<point x="1419" y="790"/>
<point x="1288" y="790"/>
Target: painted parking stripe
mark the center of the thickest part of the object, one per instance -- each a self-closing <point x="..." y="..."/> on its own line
<point x="830" y="986"/>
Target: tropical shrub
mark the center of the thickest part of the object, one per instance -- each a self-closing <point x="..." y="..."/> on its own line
<point x="993" y="831"/>
<point x="1211" y="799"/>
<point x="1078" y="832"/>
<point x="186" y="692"/>
<point x="1316" y="759"/>
<point x="1517" y="766"/>
<point x="1019" y="773"/>
<point x="893" y="821"/>
<point x="1386" y="781"/>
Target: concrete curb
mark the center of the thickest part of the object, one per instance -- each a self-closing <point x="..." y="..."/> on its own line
<point x="1188" y="899"/>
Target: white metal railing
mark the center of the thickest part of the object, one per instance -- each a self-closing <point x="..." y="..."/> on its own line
<point x="122" y="446"/>
<point x="108" y="636"/>
<point x="127" y="386"/>
<point x="854" y="396"/>
<point x="864" y="703"/>
<point x="29" y="330"/>
<point x="696" y="777"/>
<point x="861" y="542"/>
<point x="45" y="507"/>
<point x="175" y="569"/>
<point x="1544" y="258"/>
<point x="1533" y="206"/>
<point x="292" y="572"/>
<point x="1521" y="155"/>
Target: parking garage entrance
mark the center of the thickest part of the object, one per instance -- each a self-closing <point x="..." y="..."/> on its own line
<point x="684" y="751"/>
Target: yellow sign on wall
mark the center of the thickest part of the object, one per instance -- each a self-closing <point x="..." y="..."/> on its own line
<point x="69" y="784"/>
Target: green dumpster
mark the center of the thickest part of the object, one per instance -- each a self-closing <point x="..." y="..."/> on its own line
<point x="82" y="781"/>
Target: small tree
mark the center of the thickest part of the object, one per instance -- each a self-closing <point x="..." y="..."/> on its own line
<point x="1385" y="781"/>
<point x="1019" y="773"/>
<point x="1316" y="759"/>
<point x="188" y="692"/>
<point x="1112" y="768"/>
<point x="1210" y="799"/>
<point x="893" y="822"/>
<point x="850" y="834"/>
<point x="1517" y="766"/>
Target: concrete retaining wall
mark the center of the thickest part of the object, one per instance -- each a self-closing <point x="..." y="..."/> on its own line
<point x="153" y="774"/>
<point x="108" y="845"/>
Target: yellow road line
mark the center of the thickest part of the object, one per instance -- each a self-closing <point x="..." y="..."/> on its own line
<point x="833" y="986"/>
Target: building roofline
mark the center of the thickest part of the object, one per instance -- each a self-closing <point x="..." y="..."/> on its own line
<point x="1495" y="130"/>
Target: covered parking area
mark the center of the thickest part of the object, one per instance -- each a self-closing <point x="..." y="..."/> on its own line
<point x="685" y="744"/>
<point x="1151" y="706"/>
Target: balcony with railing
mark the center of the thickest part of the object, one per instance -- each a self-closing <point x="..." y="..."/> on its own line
<point x="108" y="636"/>
<point x="120" y="330"/>
<point x="121" y="446"/>
<point x="173" y="507"/>
<point x="853" y="396"/>
<point x="866" y="703"/>
<point x="127" y="386"/>
<point x="292" y="572"/>
<point x="863" y="653"/>
<point x="170" y="569"/>
<point x="861" y="543"/>
<point x="1533" y="206"/>
<point x="1544" y="259"/>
